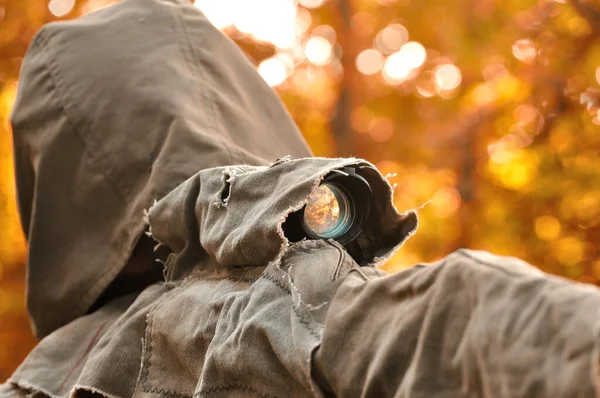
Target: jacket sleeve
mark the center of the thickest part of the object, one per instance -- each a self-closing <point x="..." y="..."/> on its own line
<point x="472" y="325"/>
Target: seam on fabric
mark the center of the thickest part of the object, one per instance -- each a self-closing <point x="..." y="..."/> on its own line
<point x="341" y="260"/>
<point x="86" y="352"/>
<point x="51" y="69"/>
<point x="276" y="281"/>
<point x="299" y="294"/>
<point x="148" y="351"/>
<point x="230" y="278"/>
<point x="208" y="93"/>
<point x="234" y="387"/>
<point x="162" y="391"/>
<point x="306" y="321"/>
<point x="211" y="92"/>
<point x="64" y="105"/>
<point x="149" y="332"/>
<point x="296" y="307"/>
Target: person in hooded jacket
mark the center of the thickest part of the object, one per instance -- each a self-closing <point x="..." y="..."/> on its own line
<point x="142" y="125"/>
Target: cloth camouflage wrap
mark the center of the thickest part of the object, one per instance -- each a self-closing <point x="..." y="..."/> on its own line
<point x="143" y="118"/>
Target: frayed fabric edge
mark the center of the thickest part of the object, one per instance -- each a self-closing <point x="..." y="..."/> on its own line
<point x="77" y="388"/>
<point x="149" y="234"/>
<point x="31" y="387"/>
<point x="285" y="244"/>
<point x="227" y="178"/>
<point x="146" y="218"/>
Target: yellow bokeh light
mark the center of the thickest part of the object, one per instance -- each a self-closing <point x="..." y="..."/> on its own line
<point x="588" y="208"/>
<point x="381" y="129"/>
<point x="562" y="138"/>
<point x="578" y="26"/>
<point x="391" y="38"/>
<point x="325" y="31"/>
<point x="12" y="241"/>
<point x="273" y="70"/>
<point x="494" y="71"/>
<point x="445" y="202"/>
<point x="400" y="65"/>
<point x="510" y="89"/>
<point x="363" y="24"/>
<point x="390" y="167"/>
<point x="369" y="62"/>
<point x="447" y="77"/>
<point x="526" y="113"/>
<point x="517" y="169"/>
<point x="547" y="227"/>
<point x="60" y="8"/>
<point x="303" y="20"/>
<point x="7" y="97"/>
<point x="216" y="12"/>
<point x="318" y="51"/>
<point x="426" y="88"/>
<point x="524" y="50"/>
<point x="360" y="119"/>
<point x="570" y="251"/>
<point x="403" y="259"/>
<point x="483" y="94"/>
<point x="396" y="69"/>
<point x="278" y="26"/>
<point x="503" y="150"/>
<point x="414" y="53"/>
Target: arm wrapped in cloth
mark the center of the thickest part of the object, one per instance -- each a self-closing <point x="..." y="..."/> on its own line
<point x="471" y="325"/>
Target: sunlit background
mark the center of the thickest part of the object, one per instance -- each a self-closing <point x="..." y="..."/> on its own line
<point x="489" y="109"/>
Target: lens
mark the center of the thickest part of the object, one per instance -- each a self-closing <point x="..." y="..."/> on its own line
<point x="337" y="209"/>
<point x="327" y="213"/>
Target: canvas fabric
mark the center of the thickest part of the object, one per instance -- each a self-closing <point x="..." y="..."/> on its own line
<point x="313" y="323"/>
<point x="143" y="117"/>
<point x="113" y="111"/>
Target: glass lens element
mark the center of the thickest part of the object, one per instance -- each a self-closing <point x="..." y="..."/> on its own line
<point x="327" y="212"/>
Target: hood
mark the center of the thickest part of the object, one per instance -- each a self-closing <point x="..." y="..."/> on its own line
<point x="114" y="110"/>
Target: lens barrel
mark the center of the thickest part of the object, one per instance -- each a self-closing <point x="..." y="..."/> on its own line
<point x="339" y="208"/>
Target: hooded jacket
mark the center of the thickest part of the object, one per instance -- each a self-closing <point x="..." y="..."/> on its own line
<point x="143" y="117"/>
<point x="113" y="111"/>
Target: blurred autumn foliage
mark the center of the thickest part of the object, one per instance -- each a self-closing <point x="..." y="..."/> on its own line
<point x="489" y="109"/>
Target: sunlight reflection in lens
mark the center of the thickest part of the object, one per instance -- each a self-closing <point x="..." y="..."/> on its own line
<point x="322" y="212"/>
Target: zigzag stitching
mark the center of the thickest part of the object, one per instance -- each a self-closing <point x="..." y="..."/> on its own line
<point x="306" y="323"/>
<point x="231" y="278"/>
<point x="276" y="282"/>
<point x="233" y="387"/>
<point x="303" y="318"/>
<point x="162" y="391"/>
<point x="146" y="366"/>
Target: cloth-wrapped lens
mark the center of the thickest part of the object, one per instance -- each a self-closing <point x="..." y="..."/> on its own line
<point x="337" y="209"/>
